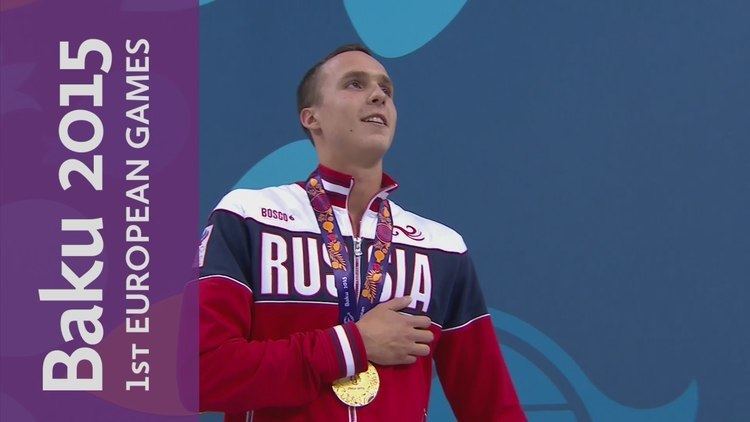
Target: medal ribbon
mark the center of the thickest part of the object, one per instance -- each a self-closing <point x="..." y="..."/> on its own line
<point x="351" y="306"/>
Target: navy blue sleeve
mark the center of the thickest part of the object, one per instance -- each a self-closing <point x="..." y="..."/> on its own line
<point x="466" y="300"/>
<point x="225" y="247"/>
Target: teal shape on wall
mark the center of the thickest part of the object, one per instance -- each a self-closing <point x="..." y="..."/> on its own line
<point x="393" y="28"/>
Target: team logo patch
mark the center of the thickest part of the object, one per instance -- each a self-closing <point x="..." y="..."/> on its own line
<point x="204" y="242"/>
<point x="276" y="214"/>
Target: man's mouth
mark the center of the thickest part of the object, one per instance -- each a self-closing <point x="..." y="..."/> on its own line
<point x="377" y="119"/>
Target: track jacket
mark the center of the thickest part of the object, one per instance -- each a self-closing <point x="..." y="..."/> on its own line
<point x="270" y="339"/>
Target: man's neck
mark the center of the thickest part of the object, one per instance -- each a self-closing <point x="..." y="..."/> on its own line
<point x="367" y="183"/>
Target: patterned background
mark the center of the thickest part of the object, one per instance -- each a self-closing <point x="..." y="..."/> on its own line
<point x="594" y="155"/>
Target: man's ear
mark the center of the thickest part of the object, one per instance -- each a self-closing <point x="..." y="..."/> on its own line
<point x="308" y="120"/>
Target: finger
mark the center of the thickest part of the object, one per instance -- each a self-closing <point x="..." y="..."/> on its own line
<point x="408" y="359"/>
<point x="398" y="303"/>
<point x="419" y="349"/>
<point x="422" y="336"/>
<point x="420" y="321"/>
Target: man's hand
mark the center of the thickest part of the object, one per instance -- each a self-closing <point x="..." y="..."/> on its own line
<point x="392" y="338"/>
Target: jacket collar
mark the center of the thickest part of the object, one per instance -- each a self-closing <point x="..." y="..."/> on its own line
<point x="338" y="186"/>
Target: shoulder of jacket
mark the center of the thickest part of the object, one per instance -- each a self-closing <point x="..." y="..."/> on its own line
<point x="267" y="205"/>
<point x="415" y="230"/>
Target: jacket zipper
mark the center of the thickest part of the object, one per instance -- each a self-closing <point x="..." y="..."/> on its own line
<point x="357" y="263"/>
<point x="357" y="241"/>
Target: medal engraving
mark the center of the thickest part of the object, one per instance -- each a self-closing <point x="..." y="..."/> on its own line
<point x="360" y="389"/>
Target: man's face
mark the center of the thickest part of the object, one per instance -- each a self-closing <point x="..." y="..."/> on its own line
<point x="355" y="110"/>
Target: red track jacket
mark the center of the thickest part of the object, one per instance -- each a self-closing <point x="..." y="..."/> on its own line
<point x="270" y="340"/>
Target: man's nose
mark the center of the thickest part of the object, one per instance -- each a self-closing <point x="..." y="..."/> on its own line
<point x="377" y="96"/>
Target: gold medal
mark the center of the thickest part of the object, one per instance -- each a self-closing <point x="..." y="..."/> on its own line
<point x="360" y="389"/>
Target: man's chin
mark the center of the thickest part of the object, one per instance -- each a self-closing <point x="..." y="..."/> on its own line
<point x="371" y="150"/>
<point x="378" y="145"/>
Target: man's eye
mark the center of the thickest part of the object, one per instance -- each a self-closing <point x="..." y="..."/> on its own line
<point x="386" y="89"/>
<point x="355" y="84"/>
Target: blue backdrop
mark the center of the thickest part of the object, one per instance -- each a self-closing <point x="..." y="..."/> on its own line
<point x="594" y="155"/>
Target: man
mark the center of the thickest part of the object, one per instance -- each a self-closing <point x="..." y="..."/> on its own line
<point x="325" y="301"/>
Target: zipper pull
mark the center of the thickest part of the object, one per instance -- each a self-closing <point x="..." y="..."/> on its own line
<point x="357" y="246"/>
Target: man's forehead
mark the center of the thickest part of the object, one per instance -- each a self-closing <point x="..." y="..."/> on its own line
<point x="353" y="61"/>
